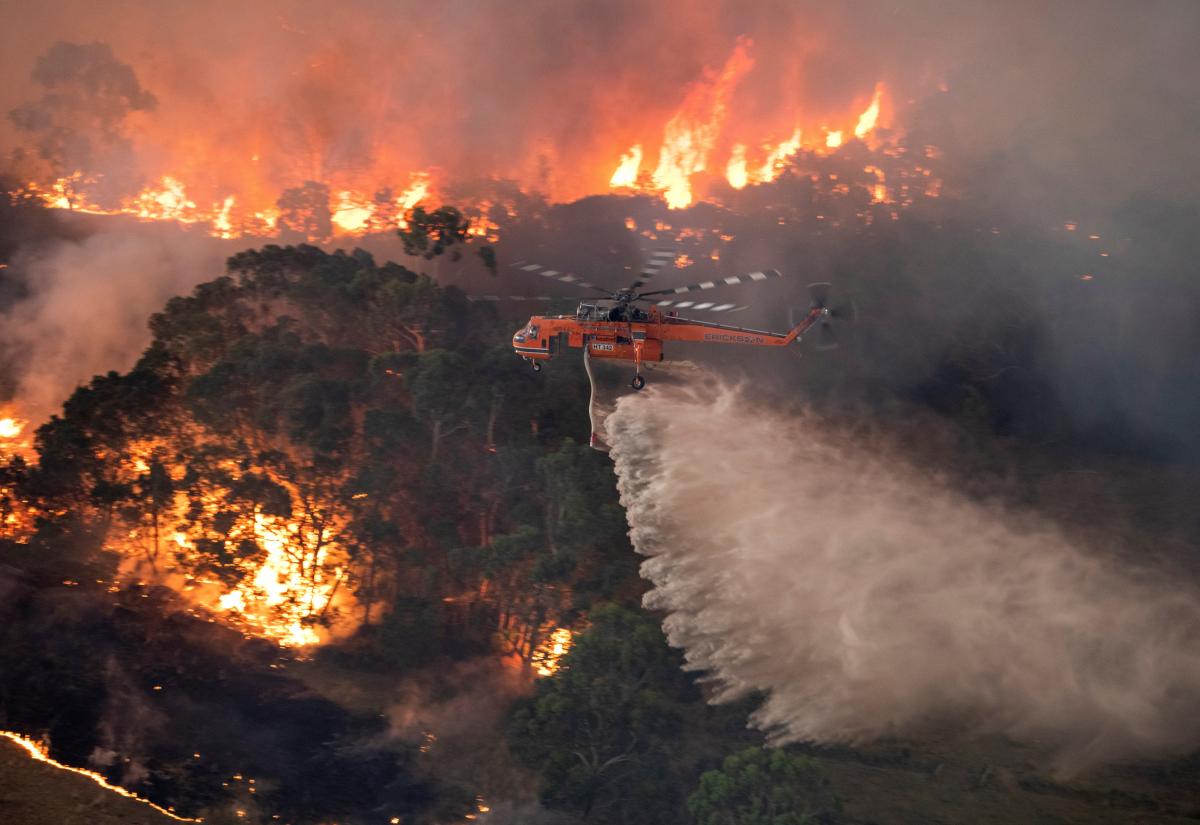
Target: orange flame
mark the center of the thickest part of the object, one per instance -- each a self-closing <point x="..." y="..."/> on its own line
<point x="777" y="159"/>
<point x="236" y="193"/>
<point x="289" y="592"/>
<point x="869" y="118"/>
<point x="879" y="192"/>
<point x="15" y="438"/>
<point x="689" y="136"/>
<point x="352" y="212"/>
<point x="627" y="170"/>
<point x="735" y="170"/>
<point x="10" y="428"/>
<point x="42" y="754"/>
<point x="547" y="658"/>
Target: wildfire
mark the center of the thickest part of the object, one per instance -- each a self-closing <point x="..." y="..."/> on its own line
<point x="694" y="132"/>
<point x="168" y="202"/>
<point x="547" y="658"/>
<point x="282" y="595"/>
<point x="15" y="438"/>
<point x="627" y="171"/>
<point x="735" y="170"/>
<point x="879" y="192"/>
<point x="351" y="212"/>
<point x="17" y="517"/>
<point x="286" y="582"/>
<point x="42" y="754"/>
<point x="10" y="428"/>
<point x="222" y="225"/>
<point x="691" y="133"/>
<point x="778" y="157"/>
<point x="256" y="190"/>
<point x="868" y="119"/>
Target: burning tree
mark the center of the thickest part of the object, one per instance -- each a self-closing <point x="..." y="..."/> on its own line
<point x="78" y="122"/>
<point x="304" y="441"/>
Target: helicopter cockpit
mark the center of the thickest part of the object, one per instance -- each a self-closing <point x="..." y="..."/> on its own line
<point x="618" y="312"/>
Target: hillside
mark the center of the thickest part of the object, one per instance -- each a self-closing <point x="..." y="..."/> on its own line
<point x="38" y="793"/>
<point x="329" y="533"/>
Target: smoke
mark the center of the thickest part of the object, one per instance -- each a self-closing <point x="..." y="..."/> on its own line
<point x="267" y="96"/>
<point x="87" y="304"/>
<point x="866" y="597"/>
<point x="86" y="96"/>
<point x="1048" y="114"/>
<point x="128" y="724"/>
<point x="456" y="714"/>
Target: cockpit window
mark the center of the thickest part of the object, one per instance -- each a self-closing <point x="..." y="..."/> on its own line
<point x="531" y="331"/>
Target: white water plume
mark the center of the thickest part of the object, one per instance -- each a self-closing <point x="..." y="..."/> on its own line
<point x="865" y="597"/>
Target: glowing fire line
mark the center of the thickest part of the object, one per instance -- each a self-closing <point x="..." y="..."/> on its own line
<point x="692" y="133"/>
<point x="42" y="754"/>
<point x="351" y="212"/>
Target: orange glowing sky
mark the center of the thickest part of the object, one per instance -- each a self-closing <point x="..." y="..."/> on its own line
<point x="251" y="102"/>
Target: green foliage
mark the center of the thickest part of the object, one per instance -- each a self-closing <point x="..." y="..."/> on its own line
<point x="579" y="506"/>
<point x="366" y="409"/>
<point x="760" y="786"/>
<point x="601" y="730"/>
<point x="430" y="234"/>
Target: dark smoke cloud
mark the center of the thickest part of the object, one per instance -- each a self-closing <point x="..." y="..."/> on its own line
<point x="868" y="598"/>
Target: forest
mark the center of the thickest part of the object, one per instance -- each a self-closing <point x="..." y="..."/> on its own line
<point x="290" y="534"/>
<point x="330" y="550"/>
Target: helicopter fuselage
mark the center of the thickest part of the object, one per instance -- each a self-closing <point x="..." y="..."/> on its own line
<point x="636" y="335"/>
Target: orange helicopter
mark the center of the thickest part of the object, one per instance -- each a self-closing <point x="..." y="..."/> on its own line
<point x="618" y="330"/>
<point x="615" y="328"/>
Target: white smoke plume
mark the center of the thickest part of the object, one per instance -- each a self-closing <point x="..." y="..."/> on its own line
<point x="866" y="597"/>
<point x="88" y="304"/>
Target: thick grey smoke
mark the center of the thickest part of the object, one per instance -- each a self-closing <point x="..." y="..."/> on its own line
<point x="88" y="304"/>
<point x="867" y="597"/>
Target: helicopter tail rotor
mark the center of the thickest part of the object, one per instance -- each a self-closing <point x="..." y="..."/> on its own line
<point x="829" y="316"/>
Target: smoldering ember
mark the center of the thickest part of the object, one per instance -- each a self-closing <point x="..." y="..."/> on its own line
<point x="556" y="412"/>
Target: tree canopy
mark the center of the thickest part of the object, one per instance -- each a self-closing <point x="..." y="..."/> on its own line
<point x="761" y="786"/>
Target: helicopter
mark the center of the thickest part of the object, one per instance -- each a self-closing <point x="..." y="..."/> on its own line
<point x="617" y="328"/>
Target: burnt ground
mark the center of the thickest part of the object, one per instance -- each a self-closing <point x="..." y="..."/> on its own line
<point x="35" y="793"/>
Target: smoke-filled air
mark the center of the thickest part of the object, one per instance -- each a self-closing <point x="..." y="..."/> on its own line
<point x="868" y="597"/>
<point x="599" y="412"/>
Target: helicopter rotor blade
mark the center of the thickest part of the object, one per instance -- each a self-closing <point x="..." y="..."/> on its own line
<point x="826" y="338"/>
<point x="843" y="312"/>
<point x="556" y="275"/>
<point x="820" y="293"/>
<point x="732" y="280"/>
<point x="706" y="306"/>
<point x="492" y="299"/>
<point x="654" y="264"/>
